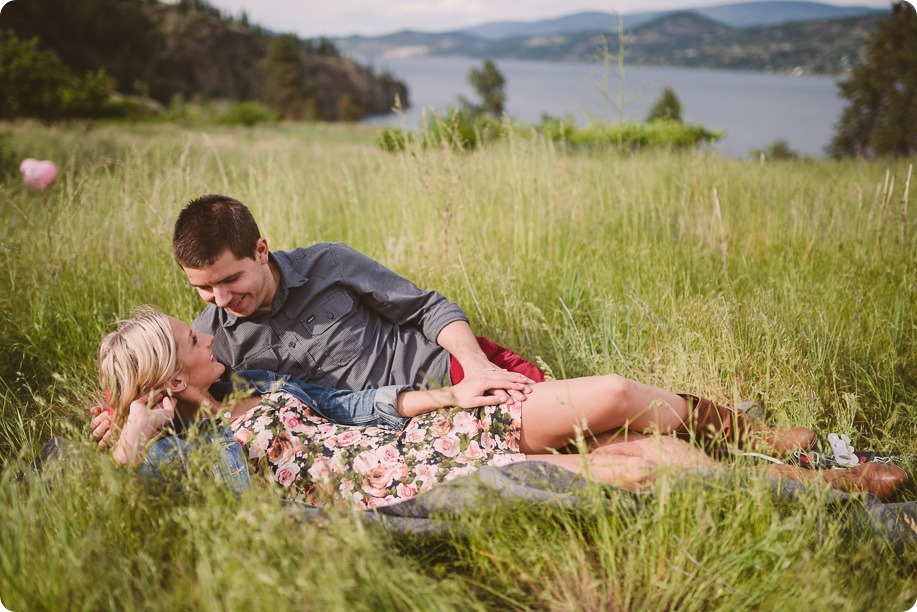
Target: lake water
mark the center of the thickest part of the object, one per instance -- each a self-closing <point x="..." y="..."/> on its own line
<point x="754" y="109"/>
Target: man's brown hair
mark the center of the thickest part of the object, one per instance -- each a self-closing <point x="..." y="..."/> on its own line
<point x="208" y="226"/>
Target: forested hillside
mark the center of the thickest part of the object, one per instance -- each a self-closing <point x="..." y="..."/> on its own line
<point x="686" y="38"/>
<point x="190" y="50"/>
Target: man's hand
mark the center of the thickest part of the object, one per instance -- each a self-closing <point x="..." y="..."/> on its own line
<point x="100" y="426"/>
<point x="508" y="394"/>
<point x="491" y="386"/>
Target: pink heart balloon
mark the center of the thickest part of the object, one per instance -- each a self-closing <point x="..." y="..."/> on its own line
<point x="37" y="174"/>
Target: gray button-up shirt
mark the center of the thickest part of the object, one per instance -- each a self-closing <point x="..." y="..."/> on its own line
<point x="339" y="319"/>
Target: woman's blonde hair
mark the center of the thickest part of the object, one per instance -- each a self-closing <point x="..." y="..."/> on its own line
<point x="139" y="357"/>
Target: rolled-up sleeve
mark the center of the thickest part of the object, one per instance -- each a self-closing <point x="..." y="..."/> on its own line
<point x="394" y="297"/>
<point x="386" y="403"/>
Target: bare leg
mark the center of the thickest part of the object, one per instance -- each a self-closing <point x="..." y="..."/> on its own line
<point x="631" y="463"/>
<point x="596" y="404"/>
<point x="631" y="473"/>
<point x="663" y="451"/>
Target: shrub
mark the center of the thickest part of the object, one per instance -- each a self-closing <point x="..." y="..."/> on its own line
<point x="660" y="133"/>
<point x="9" y="160"/>
<point x="462" y="131"/>
<point x="36" y="83"/>
<point x="248" y="113"/>
<point x="777" y="150"/>
<point x="459" y="129"/>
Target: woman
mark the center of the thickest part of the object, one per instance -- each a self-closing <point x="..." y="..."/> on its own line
<point x="313" y="458"/>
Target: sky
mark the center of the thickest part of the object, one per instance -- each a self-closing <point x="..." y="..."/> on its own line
<point x="334" y="18"/>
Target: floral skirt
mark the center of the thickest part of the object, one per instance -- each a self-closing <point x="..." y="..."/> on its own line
<point x="320" y="462"/>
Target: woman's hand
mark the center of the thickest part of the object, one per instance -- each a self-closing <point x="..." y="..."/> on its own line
<point x="145" y="418"/>
<point x="100" y="426"/>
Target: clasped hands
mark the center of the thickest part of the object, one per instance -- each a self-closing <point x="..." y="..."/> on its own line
<point x="491" y="385"/>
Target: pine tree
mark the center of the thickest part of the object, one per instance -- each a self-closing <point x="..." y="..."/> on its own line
<point x="881" y="118"/>
<point x="488" y="83"/>
<point x="668" y="106"/>
<point x="284" y="76"/>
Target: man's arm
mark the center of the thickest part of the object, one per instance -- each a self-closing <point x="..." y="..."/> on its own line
<point x="457" y="338"/>
<point x="400" y="301"/>
<point x="391" y="296"/>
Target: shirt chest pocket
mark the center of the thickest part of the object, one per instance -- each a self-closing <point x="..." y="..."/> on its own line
<point x="332" y="329"/>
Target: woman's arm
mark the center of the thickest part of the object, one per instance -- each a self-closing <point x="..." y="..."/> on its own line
<point x="470" y="393"/>
<point x="143" y="421"/>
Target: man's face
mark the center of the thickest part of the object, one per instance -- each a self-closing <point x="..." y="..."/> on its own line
<point x="240" y="286"/>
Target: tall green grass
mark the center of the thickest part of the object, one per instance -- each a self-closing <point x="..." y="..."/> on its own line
<point x="792" y="284"/>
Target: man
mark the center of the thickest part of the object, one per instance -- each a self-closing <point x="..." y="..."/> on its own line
<point x="324" y="314"/>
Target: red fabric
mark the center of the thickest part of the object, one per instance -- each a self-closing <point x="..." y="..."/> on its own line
<point x="501" y="357"/>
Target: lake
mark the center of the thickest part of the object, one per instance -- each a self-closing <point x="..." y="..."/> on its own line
<point x="754" y="109"/>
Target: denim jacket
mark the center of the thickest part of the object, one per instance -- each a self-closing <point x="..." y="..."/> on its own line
<point x="231" y="468"/>
<point x="376" y="407"/>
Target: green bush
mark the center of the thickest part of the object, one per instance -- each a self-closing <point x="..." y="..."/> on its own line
<point x="459" y="130"/>
<point x="248" y="113"/>
<point x="36" y="83"/>
<point x="462" y="131"/>
<point x="661" y="133"/>
<point x="777" y="150"/>
<point x="9" y="160"/>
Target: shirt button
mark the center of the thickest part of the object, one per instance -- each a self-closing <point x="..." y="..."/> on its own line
<point x="330" y="315"/>
<point x="292" y="345"/>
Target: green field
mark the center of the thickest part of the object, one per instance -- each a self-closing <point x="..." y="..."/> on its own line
<point x="793" y="284"/>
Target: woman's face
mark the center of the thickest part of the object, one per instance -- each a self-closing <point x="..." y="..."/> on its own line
<point x="199" y="368"/>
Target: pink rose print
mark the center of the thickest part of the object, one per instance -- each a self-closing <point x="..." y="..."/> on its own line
<point x="292" y="423"/>
<point x="474" y="451"/>
<point x="512" y="439"/>
<point x="441" y="427"/>
<point x="349" y="437"/>
<point x="365" y="461"/>
<point x="415" y="436"/>
<point x="464" y="422"/>
<point x="260" y="445"/>
<point x="243" y="435"/>
<point x="426" y="471"/>
<point x="406" y="491"/>
<point x="400" y="471"/>
<point x="378" y="480"/>
<point x="260" y="423"/>
<point x="286" y="473"/>
<point x="388" y="454"/>
<point x="283" y="448"/>
<point x="447" y="445"/>
<point x="319" y="470"/>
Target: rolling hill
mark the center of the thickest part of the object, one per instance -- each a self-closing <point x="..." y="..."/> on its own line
<point x="799" y="37"/>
